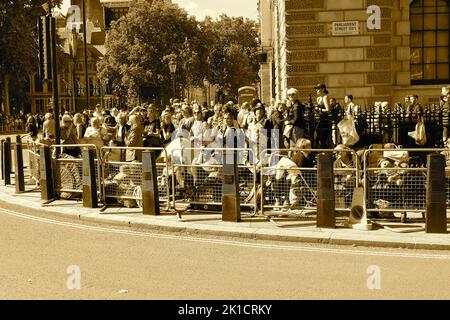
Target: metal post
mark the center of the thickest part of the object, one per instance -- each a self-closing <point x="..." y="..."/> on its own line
<point x="436" y="206"/>
<point x="2" y="159"/>
<point x="85" y="54"/>
<point x="325" y="196"/>
<point x="18" y="170"/>
<point x="7" y="161"/>
<point x="46" y="174"/>
<point x="55" y="84"/>
<point x="150" y="194"/>
<point x="89" y="180"/>
<point x="231" y="210"/>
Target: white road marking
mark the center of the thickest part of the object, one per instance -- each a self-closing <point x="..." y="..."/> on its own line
<point x="227" y="242"/>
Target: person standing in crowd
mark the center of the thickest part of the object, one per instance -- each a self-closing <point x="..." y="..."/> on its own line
<point x="188" y="118"/>
<point x="96" y="134"/>
<point x="152" y="129"/>
<point x="263" y="128"/>
<point x="69" y="136"/>
<point x="134" y="139"/>
<point x="31" y="128"/>
<point x="277" y="120"/>
<point x="79" y="126"/>
<point x="121" y="129"/>
<point x="167" y="128"/>
<point x="295" y="123"/>
<point x="324" y="109"/>
<point x="49" y="126"/>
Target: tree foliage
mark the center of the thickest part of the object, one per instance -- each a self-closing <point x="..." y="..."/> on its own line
<point x="18" y="41"/>
<point x="140" y="45"/>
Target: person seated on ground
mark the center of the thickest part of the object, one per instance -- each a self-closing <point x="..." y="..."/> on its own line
<point x="287" y="171"/>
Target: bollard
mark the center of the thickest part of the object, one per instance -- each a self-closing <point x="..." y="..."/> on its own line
<point x="7" y="161"/>
<point x="325" y="193"/>
<point x="231" y="209"/>
<point x="18" y="169"/>
<point x="150" y="194"/>
<point x="436" y="205"/>
<point x="46" y="174"/>
<point x="89" y="181"/>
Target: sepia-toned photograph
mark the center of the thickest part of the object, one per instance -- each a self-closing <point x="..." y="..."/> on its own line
<point x="224" y="156"/>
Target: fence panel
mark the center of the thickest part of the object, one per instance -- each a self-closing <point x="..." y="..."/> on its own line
<point x="395" y="180"/>
<point x="123" y="180"/>
<point x="287" y="187"/>
<point x="69" y="172"/>
<point x="197" y="178"/>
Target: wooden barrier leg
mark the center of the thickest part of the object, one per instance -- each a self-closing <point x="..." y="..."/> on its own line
<point x="47" y="187"/>
<point x="150" y="194"/>
<point x="436" y="201"/>
<point x="326" y="217"/>
<point x="231" y="209"/>
<point x="89" y="181"/>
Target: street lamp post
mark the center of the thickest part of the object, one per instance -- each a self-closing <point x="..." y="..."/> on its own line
<point x="206" y="84"/>
<point x="173" y="70"/>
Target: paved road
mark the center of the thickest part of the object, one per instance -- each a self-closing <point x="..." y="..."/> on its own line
<point x="120" y="263"/>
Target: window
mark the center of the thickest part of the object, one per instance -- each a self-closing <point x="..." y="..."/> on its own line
<point x="429" y="42"/>
<point x="114" y="14"/>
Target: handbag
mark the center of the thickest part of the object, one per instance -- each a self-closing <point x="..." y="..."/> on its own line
<point x="419" y="135"/>
<point x="348" y="131"/>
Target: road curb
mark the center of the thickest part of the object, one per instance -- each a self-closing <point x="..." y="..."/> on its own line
<point x="224" y="229"/>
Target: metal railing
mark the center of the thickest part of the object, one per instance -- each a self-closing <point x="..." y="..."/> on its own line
<point x="286" y="187"/>
<point x="197" y="178"/>
<point x="395" y="180"/>
<point x="68" y="171"/>
<point x="122" y="180"/>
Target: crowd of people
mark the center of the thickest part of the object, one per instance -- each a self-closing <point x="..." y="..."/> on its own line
<point x="282" y="123"/>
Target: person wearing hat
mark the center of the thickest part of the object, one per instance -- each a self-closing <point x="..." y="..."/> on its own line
<point x="295" y="123"/>
<point x="263" y="128"/>
<point x="324" y="126"/>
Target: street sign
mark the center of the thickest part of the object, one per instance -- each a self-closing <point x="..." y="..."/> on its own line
<point x="345" y="28"/>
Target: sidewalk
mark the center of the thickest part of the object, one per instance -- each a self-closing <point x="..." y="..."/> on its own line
<point x="257" y="228"/>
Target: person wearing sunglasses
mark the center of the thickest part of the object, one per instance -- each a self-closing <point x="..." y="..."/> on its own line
<point x="68" y="134"/>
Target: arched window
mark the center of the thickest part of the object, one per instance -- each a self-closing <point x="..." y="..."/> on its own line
<point x="429" y="42"/>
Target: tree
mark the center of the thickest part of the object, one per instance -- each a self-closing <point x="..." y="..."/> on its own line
<point x="18" y="44"/>
<point x="233" y="52"/>
<point x="138" y="44"/>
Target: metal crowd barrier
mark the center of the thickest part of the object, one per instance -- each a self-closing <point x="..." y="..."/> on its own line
<point x="68" y="171"/>
<point x="395" y="180"/>
<point x="122" y="180"/>
<point x="286" y="188"/>
<point x="34" y="161"/>
<point x="197" y="178"/>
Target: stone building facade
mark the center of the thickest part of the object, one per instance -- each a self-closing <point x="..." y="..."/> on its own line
<point x="305" y="44"/>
